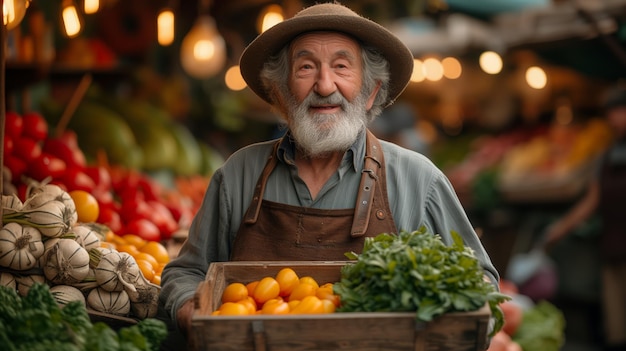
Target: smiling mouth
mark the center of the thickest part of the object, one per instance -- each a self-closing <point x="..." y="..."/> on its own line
<point x="325" y="108"/>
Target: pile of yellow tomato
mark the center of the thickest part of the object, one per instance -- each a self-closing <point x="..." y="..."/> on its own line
<point x="285" y="293"/>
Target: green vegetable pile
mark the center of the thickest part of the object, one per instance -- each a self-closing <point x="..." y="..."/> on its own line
<point x="542" y="328"/>
<point x="36" y="322"/>
<point x="416" y="271"/>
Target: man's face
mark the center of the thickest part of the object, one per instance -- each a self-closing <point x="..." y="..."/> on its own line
<point x="327" y="109"/>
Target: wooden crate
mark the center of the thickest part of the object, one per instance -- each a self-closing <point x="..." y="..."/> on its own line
<point x="358" y="331"/>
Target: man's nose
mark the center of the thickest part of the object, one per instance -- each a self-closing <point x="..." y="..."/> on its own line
<point x="325" y="84"/>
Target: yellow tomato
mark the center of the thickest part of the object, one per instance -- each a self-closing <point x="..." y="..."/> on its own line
<point x="301" y="291"/>
<point x="309" y="305"/>
<point x="145" y="256"/>
<point x="233" y="309"/>
<point x="275" y="306"/>
<point x="309" y="280"/>
<point x="134" y="239"/>
<point x="156" y="279"/>
<point x="287" y="279"/>
<point x="329" y="306"/>
<point x="234" y="292"/>
<point x="266" y="289"/>
<point x="146" y="269"/>
<point x="251" y="286"/>
<point x="325" y="292"/>
<point x="87" y="207"/>
<point x="249" y="303"/>
<point x="156" y="250"/>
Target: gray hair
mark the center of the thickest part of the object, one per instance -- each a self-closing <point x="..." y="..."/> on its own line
<point x="275" y="75"/>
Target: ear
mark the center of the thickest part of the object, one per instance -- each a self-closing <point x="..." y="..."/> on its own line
<point x="372" y="97"/>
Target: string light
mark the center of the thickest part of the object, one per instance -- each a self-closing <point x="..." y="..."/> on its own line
<point x="13" y="12"/>
<point x="165" y="27"/>
<point x="203" y="50"/>
<point x="71" y="20"/>
<point x="91" y="6"/>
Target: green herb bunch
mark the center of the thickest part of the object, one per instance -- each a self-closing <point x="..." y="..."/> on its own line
<point x="416" y="271"/>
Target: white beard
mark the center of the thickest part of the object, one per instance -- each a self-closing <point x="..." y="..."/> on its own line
<point x="320" y="133"/>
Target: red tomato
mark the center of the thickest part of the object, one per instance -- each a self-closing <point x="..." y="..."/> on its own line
<point x="69" y="138"/>
<point x="150" y="188"/>
<point x="16" y="165"/>
<point x="110" y="218"/>
<point x="46" y="166"/>
<point x="35" y="126"/>
<point x="134" y="209"/>
<point x="26" y="149"/>
<point x="76" y="179"/>
<point x="162" y="217"/>
<point x="8" y="146"/>
<point x="513" y="315"/>
<point x="100" y="176"/>
<point x="144" y="228"/>
<point x="74" y="158"/>
<point x="13" y="124"/>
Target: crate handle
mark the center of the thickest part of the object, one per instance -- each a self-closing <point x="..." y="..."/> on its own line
<point x="258" y="332"/>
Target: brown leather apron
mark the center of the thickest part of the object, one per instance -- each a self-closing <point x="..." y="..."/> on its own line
<point x="275" y="231"/>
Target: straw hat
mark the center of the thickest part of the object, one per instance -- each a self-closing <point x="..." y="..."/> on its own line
<point x="328" y="17"/>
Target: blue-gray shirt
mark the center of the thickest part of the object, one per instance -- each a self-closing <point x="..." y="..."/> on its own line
<point x="419" y="195"/>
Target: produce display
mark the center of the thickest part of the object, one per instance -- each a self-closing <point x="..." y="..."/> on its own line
<point x="43" y="241"/>
<point x="285" y="293"/>
<point x="37" y="321"/>
<point x="542" y="163"/>
<point x="130" y="201"/>
<point x="528" y="326"/>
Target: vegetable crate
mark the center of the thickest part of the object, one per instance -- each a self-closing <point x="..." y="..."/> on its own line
<point x="358" y="331"/>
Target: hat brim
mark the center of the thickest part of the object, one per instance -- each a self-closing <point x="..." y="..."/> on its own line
<point x="332" y="17"/>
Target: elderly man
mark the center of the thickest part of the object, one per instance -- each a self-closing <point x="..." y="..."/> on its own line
<point x="317" y="192"/>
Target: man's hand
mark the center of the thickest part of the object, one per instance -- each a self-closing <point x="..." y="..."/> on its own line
<point x="183" y="316"/>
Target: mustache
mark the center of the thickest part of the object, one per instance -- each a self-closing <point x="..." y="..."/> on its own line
<point x="334" y="99"/>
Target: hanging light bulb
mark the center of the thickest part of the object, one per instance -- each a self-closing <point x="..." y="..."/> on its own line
<point x="91" y="6"/>
<point x="269" y="17"/>
<point x="72" y="22"/>
<point x="165" y="27"/>
<point x="203" y="51"/>
<point x="13" y="12"/>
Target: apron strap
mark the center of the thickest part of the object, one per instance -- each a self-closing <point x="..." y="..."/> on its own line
<point x="252" y="214"/>
<point x="369" y="177"/>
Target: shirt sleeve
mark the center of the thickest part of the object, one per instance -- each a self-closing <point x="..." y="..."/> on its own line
<point x="207" y="238"/>
<point x="444" y="214"/>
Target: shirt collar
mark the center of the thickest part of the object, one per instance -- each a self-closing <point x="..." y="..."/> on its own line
<point x="354" y="155"/>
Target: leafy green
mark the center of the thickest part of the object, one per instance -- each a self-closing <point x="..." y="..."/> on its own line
<point x="542" y="328"/>
<point x="416" y="271"/>
<point x="36" y="322"/>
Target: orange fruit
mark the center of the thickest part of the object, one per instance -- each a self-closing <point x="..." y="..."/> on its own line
<point x="146" y="256"/>
<point x="275" y="306"/>
<point x="87" y="207"/>
<point x="301" y="291"/>
<point x="266" y="289"/>
<point x="146" y="269"/>
<point x="288" y="280"/>
<point x="233" y="309"/>
<point x="251" y="286"/>
<point x="250" y="304"/>
<point x="130" y="249"/>
<point x="156" y="279"/>
<point x="156" y="250"/>
<point x="134" y="239"/>
<point x="234" y="292"/>
<point x="309" y="280"/>
<point x="309" y="305"/>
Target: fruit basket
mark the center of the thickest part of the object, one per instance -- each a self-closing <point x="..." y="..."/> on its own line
<point x="462" y="331"/>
